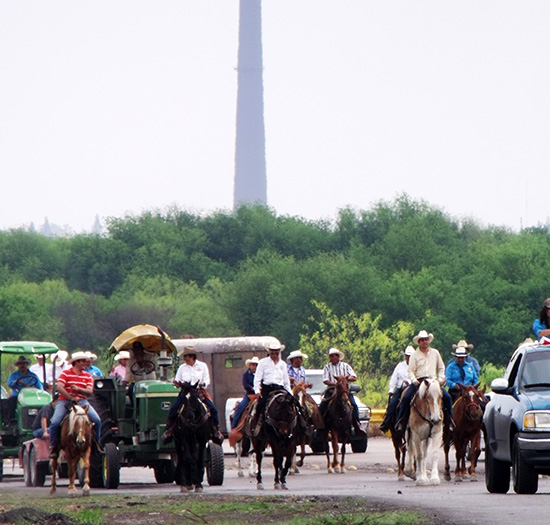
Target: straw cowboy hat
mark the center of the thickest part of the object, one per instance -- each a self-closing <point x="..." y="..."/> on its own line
<point x="123" y="354"/>
<point x="333" y="351"/>
<point x="410" y="350"/>
<point x="295" y="353"/>
<point x="78" y="356"/>
<point x="189" y="350"/>
<point x="461" y="351"/>
<point x="421" y="335"/>
<point x="253" y="361"/>
<point x="275" y="346"/>
<point x="91" y="355"/>
<point x="463" y="344"/>
<point x="59" y="357"/>
<point x="22" y="359"/>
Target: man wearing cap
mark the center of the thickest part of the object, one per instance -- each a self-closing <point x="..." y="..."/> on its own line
<point x="271" y="375"/>
<point x="248" y="385"/>
<point x="93" y="370"/>
<point x="74" y="384"/>
<point x="398" y="382"/>
<point x="23" y="377"/>
<point x="469" y="358"/>
<point x="425" y="363"/>
<point x="296" y="372"/>
<point x="192" y="371"/>
<point x="40" y="368"/>
<point x="459" y="372"/>
<point x="335" y="368"/>
<point x="122" y="359"/>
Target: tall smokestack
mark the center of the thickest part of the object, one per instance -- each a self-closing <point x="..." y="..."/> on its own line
<point x="250" y="171"/>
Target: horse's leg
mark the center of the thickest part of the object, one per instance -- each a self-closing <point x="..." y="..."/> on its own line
<point x="434" y="446"/>
<point x="277" y="465"/>
<point x="288" y="459"/>
<point x="302" y="454"/>
<point x="258" y="449"/>
<point x="475" y="451"/>
<point x="330" y="470"/>
<point x="239" y="453"/>
<point x="420" y="446"/>
<point x="410" y="468"/>
<point x="86" y="468"/>
<point x="335" y="465"/>
<point x="343" y="460"/>
<point x="53" y="463"/>
<point x="252" y="465"/>
<point x="447" y="447"/>
<point x="199" y="465"/>
<point x="71" y="464"/>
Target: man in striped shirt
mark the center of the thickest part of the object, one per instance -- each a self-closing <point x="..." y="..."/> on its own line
<point x="73" y="384"/>
<point x="332" y="370"/>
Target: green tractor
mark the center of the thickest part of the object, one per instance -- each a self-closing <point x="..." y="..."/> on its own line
<point x="134" y="416"/>
<point x="17" y="414"/>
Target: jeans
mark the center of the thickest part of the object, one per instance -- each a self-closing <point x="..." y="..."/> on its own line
<point x="38" y="433"/>
<point x="239" y="411"/>
<point x="61" y="408"/>
<point x="405" y="406"/>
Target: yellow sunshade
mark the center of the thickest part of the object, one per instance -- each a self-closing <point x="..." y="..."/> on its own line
<point x="151" y="337"/>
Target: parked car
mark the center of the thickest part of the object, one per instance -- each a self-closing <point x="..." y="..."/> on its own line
<point x="516" y="424"/>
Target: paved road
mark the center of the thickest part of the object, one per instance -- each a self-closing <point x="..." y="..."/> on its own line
<point x="371" y="476"/>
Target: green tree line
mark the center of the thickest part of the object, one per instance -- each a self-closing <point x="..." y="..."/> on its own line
<point x="379" y="276"/>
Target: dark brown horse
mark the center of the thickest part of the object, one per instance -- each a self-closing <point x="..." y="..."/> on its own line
<point x="338" y="422"/>
<point x="76" y="443"/>
<point x="280" y="430"/>
<point x="313" y="417"/>
<point x="192" y="433"/>
<point x="467" y="416"/>
<point x="399" y="446"/>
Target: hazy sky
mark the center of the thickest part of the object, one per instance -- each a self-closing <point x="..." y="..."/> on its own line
<point x="115" y="107"/>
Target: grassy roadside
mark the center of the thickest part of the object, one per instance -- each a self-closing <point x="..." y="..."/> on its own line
<point x="210" y="509"/>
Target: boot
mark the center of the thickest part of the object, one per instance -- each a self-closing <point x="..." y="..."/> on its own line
<point x="217" y="436"/>
<point x="359" y="430"/>
<point x="168" y="434"/>
<point x="384" y="426"/>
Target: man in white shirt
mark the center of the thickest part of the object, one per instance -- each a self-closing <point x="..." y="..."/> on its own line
<point x="398" y="382"/>
<point x="38" y="369"/>
<point x="193" y="372"/>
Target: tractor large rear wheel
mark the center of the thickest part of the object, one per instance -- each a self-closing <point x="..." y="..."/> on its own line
<point x="111" y="467"/>
<point x="165" y="471"/>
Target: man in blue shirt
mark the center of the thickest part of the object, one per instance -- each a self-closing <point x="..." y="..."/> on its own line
<point x="459" y="372"/>
<point x="248" y="385"/>
<point x="23" y="377"/>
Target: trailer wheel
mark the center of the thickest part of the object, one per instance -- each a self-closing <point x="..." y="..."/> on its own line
<point x="37" y="469"/>
<point x="111" y="467"/>
<point x="165" y="471"/>
<point x="214" y="464"/>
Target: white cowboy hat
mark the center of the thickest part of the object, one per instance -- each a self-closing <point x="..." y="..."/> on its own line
<point x="59" y="357"/>
<point x="91" y="355"/>
<point x="463" y="344"/>
<point x="123" y="354"/>
<point x="77" y="356"/>
<point x="461" y="352"/>
<point x="421" y="335"/>
<point x="409" y="350"/>
<point x="333" y="351"/>
<point x="275" y="346"/>
<point x="295" y="353"/>
<point x="253" y="361"/>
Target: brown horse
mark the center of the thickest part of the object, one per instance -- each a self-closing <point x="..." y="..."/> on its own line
<point x="424" y="438"/>
<point x="467" y="415"/>
<point x="399" y="446"/>
<point x="76" y="443"/>
<point x="313" y="419"/>
<point x="338" y="422"/>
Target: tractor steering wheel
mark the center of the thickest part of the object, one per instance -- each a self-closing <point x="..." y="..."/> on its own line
<point x="144" y="368"/>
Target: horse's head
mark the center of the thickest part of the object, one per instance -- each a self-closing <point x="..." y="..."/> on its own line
<point x="472" y="402"/>
<point x="80" y="426"/>
<point x="342" y="387"/>
<point x="429" y="392"/>
<point x="281" y="414"/>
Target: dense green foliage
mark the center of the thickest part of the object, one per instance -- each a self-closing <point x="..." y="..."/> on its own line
<point x="382" y="273"/>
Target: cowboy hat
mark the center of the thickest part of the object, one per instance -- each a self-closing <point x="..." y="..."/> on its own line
<point x="60" y="356"/>
<point x="275" y="346"/>
<point x="461" y="351"/>
<point x="78" y="356"/>
<point x="463" y="344"/>
<point x="253" y="361"/>
<point x="421" y="335"/>
<point x="295" y="353"/>
<point x="409" y="350"/>
<point x="333" y="351"/>
<point x="22" y="359"/>
<point x="91" y="355"/>
<point x="123" y="354"/>
<point x="189" y="350"/>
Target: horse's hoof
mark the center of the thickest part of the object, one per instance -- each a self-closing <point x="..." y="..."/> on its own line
<point x="276" y="486"/>
<point x="473" y="477"/>
<point x="300" y="463"/>
<point x="240" y="474"/>
<point x="72" y="494"/>
<point x="331" y="471"/>
<point x="184" y="489"/>
<point x="342" y="470"/>
<point x="198" y="489"/>
<point x="260" y="486"/>
<point x="458" y="479"/>
<point x="283" y="486"/>
<point x="421" y="482"/>
<point x="401" y="477"/>
<point x="85" y="491"/>
<point x="447" y="476"/>
<point x="250" y="475"/>
<point x="434" y="481"/>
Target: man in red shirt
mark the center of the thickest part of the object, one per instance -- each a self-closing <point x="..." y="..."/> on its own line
<point x="73" y="384"/>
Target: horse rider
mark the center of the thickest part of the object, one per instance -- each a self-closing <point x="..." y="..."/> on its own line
<point x="74" y="385"/>
<point x="192" y="372"/>
<point x="248" y="385"/>
<point x="426" y="362"/>
<point x="295" y="369"/>
<point x="335" y="368"/>
<point x="398" y="382"/>
<point x="469" y="358"/>
<point x="460" y="372"/>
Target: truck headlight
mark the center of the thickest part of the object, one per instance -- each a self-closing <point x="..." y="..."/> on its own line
<point x="364" y="413"/>
<point x="536" y="420"/>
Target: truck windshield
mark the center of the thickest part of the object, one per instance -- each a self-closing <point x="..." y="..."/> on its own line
<point x="536" y="370"/>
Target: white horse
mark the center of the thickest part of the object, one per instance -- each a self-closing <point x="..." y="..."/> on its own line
<point x="425" y="433"/>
